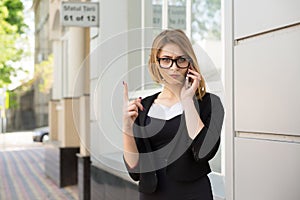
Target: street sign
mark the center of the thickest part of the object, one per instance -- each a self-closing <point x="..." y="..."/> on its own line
<point x="82" y="14"/>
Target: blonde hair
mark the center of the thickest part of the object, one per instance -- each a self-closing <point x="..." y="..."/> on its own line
<point x="179" y="38"/>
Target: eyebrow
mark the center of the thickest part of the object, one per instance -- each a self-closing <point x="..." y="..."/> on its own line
<point x="166" y="56"/>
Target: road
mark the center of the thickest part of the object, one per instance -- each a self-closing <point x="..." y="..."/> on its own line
<point x="17" y="141"/>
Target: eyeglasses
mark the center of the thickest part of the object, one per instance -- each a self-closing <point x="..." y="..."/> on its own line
<point x="181" y="62"/>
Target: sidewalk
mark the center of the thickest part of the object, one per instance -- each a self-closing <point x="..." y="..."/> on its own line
<point x="22" y="171"/>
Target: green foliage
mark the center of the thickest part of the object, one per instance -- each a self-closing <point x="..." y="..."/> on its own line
<point x="206" y="19"/>
<point x="44" y="74"/>
<point x="13" y="100"/>
<point x="15" y="14"/>
<point x="11" y="27"/>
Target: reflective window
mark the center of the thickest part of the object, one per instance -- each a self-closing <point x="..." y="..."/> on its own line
<point x="201" y="20"/>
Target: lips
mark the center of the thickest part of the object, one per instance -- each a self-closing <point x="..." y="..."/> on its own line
<point x="175" y="75"/>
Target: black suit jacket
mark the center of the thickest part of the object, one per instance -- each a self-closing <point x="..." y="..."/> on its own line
<point x="188" y="159"/>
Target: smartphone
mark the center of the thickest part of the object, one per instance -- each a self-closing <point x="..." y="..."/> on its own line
<point x="189" y="79"/>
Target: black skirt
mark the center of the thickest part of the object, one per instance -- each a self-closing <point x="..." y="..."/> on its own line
<point x="199" y="189"/>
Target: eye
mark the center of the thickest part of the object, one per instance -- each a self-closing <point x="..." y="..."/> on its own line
<point x="181" y="60"/>
<point x="166" y="60"/>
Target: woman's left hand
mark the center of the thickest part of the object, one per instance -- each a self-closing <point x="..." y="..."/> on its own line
<point x="189" y="88"/>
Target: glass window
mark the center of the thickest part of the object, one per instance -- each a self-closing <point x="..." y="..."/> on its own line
<point x="177" y="14"/>
<point x="206" y="37"/>
<point x="206" y="20"/>
<point x="201" y="20"/>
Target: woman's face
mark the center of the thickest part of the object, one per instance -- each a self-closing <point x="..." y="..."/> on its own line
<point x="174" y="74"/>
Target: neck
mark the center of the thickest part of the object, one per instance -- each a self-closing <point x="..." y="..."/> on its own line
<point x="171" y="91"/>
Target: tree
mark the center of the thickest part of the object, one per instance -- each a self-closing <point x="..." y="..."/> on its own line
<point x="44" y="75"/>
<point x="11" y="27"/>
<point x="206" y="19"/>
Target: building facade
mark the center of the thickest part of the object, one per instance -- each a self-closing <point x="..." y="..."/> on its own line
<point x="42" y="51"/>
<point x="260" y="129"/>
<point x="262" y="89"/>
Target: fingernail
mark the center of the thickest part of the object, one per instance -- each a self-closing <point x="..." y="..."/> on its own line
<point x="140" y="97"/>
<point x="123" y="83"/>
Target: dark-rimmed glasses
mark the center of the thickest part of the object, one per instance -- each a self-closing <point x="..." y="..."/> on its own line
<point x="181" y="62"/>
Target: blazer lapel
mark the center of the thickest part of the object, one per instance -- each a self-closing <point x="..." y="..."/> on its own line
<point x="147" y="102"/>
<point x="147" y="164"/>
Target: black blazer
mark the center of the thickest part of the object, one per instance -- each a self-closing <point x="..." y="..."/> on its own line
<point x="188" y="158"/>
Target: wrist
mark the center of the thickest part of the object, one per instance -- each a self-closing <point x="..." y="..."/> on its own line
<point x="187" y="101"/>
<point x="127" y="132"/>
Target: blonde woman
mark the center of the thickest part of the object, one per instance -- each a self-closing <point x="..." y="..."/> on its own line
<point x="170" y="136"/>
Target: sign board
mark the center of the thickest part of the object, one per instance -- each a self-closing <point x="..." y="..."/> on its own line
<point x="82" y="14"/>
<point x="176" y="15"/>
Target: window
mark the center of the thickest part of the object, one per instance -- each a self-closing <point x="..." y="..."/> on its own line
<point x="201" y="21"/>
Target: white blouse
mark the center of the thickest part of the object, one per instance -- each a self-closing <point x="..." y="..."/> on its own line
<point x="160" y="111"/>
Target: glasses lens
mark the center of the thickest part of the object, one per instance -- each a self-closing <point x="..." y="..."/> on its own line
<point x="165" y="62"/>
<point x="182" y="62"/>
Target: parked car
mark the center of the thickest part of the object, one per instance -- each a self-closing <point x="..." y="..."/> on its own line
<point x="41" y="134"/>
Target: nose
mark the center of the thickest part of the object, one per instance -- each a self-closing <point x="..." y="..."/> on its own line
<point x="174" y="65"/>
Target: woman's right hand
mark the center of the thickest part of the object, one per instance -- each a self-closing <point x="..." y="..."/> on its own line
<point x="130" y="110"/>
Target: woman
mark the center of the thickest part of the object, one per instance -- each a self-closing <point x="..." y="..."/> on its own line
<point x="169" y="137"/>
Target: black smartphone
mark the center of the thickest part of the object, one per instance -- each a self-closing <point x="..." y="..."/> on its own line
<point x="189" y="79"/>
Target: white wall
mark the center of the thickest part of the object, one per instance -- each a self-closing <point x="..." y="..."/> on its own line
<point x="267" y="83"/>
<point x="109" y="68"/>
<point x="266" y="170"/>
<point x="257" y="16"/>
<point x="264" y="148"/>
<point x="104" y="49"/>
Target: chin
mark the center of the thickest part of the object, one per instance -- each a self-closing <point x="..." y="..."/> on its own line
<point x="177" y="82"/>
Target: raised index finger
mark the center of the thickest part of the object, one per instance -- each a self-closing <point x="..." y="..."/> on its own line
<point x="125" y="93"/>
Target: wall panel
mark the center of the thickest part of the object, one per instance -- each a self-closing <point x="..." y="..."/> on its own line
<point x="255" y="16"/>
<point x="267" y="83"/>
<point x="266" y="170"/>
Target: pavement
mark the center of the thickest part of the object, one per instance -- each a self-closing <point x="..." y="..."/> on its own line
<point x="22" y="174"/>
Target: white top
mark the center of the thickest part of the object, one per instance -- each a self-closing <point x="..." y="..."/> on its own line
<point x="160" y="111"/>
